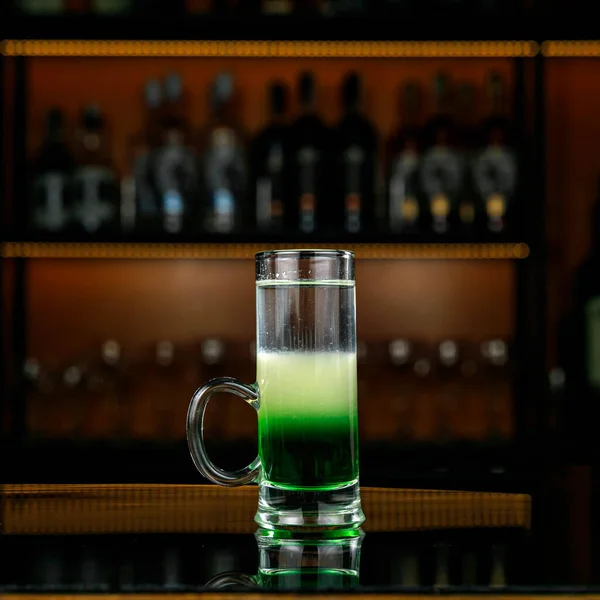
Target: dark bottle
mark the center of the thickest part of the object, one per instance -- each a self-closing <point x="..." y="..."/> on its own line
<point x="581" y="349"/>
<point x="403" y="155"/>
<point x="224" y="163"/>
<point x="467" y="142"/>
<point x="140" y="206"/>
<point x="53" y="167"/>
<point x="441" y="165"/>
<point x="355" y="148"/>
<point x="310" y="153"/>
<point x="495" y="168"/>
<point x="96" y="191"/>
<point x="174" y="166"/>
<point x="271" y="164"/>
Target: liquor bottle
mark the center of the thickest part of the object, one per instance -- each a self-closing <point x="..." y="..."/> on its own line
<point x="53" y="167"/>
<point x="495" y="168"/>
<point x="355" y="148"/>
<point x="404" y="384"/>
<point x="310" y="153"/>
<point x="271" y="158"/>
<point x="39" y="385"/>
<point x="403" y="162"/>
<point x="105" y="398"/>
<point x="467" y="139"/>
<point x="212" y="355"/>
<point x="140" y="206"/>
<point x="174" y="168"/>
<point x="495" y="360"/>
<point x="448" y="373"/>
<point x="42" y="7"/>
<point x="580" y="349"/>
<point x="96" y="192"/>
<point x="224" y="163"/>
<point x="441" y="166"/>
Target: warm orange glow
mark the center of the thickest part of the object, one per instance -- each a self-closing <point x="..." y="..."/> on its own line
<point x="571" y="49"/>
<point x="270" y="49"/>
<point x="239" y="251"/>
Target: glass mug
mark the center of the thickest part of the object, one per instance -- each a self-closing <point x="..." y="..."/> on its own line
<point x="300" y="563"/>
<point x="305" y="394"/>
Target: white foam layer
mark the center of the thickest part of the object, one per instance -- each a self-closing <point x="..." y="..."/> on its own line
<point x="306" y="384"/>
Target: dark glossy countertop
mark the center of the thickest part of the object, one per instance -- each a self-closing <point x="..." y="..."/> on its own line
<point x="196" y="539"/>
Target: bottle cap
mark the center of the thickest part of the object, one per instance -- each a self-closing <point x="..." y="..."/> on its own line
<point x="306" y="88"/>
<point x="351" y="91"/>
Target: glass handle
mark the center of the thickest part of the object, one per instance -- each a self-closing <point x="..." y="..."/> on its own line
<point x="195" y="431"/>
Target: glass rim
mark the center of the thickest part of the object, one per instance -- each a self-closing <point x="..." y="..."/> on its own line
<point x="304" y="253"/>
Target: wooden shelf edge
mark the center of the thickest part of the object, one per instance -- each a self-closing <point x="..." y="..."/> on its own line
<point x="77" y="250"/>
<point x="571" y="48"/>
<point x="270" y="49"/>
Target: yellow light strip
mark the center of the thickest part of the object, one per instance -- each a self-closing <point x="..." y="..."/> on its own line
<point x="269" y="49"/>
<point x="245" y="251"/>
<point x="571" y="49"/>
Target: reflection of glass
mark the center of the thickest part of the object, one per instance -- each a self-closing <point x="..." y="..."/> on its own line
<point x="301" y="563"/>
<point x="305" y="395"/>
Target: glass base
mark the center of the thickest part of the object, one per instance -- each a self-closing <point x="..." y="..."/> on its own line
<point x="309" y="510"/>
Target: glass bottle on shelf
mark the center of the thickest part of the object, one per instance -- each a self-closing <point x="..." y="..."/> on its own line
<point x="140" y="206"/>
<point x="496" y="360"/>
<point x="166" y="380"/>
<point x="403" y="387"/>
<point x="271" y="163"/>
<point x="107" y="414"/>
<point x="39" y="388"/>
<point x="467" y="138"/>
<point x="355" y="149"/>
<point x="403" y="163"/>
<point x="52" y="170"/>
<point x="212" y="355"/>
<point x="424" y="428"/>
<point x="448" y="378"/>
<point x="174" y="165"/>
<point x="310" y="141"/>
<point x="96" y="192"/>
<point x="224" y="162"/>
<point x="495" y="168"/>
<point x="441" y="165"/>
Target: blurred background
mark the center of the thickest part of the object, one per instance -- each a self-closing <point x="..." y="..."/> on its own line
<point x="149" y="149"/>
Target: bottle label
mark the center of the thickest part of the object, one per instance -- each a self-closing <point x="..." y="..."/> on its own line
<point x="495" y="171"/>
<point x="404" y="208"/>
<point x="96" y="207"/>
<point x="592" y="314"/>
<point x="172" y="211"/>
<point x="307" y="212"/>
<point x="53" y="215"/>
<point x="353" y="161"/>
<point x="223" y="207"/>
<point x="307" y="161"/>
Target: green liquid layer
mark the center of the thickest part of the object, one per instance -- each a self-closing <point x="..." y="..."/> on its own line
<point x="308" y="425"/>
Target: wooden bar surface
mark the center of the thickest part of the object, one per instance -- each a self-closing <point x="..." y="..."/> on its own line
<point x="88" y="509"/>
